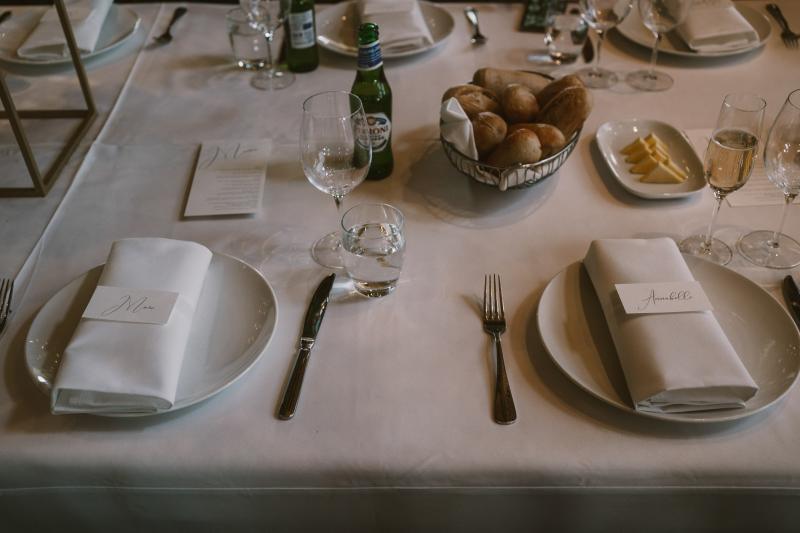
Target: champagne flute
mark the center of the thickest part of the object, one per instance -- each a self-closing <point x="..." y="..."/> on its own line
<point x="268" y="16"/>
<point x="774" y="249"/>
<point x="728" y="163"/>
<point x="336" y="152"/>
<point x="602" y="15"/>
<point x="658" y="16"/>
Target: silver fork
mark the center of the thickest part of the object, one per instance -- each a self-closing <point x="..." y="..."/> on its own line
<point x="789" y="37"/>
<point x="6" y="292"/>
<point x="494" y="323"/>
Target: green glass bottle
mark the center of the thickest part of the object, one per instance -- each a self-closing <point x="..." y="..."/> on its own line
<point x="302" y="54"/>
<point x="376" y="95"/>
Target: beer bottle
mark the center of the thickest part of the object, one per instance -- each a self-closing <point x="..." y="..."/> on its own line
<point x="302" y="54"/>
<point x="376" y="95"/>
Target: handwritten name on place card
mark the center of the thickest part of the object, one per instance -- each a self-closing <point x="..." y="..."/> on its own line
<point x="141" y="306"/>
<point x="671" y="297"/>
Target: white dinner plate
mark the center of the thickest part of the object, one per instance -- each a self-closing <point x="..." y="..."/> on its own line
<point x="119" y="26"/>
<point x="337" y="27"/>
<point x="614" y="136"/>
<point x="576" y="336"/>
<point x="233" y="324"/>
<point x="633" y="28"/>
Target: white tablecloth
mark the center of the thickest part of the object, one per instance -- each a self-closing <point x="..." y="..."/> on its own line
<point x="394" y="429"/>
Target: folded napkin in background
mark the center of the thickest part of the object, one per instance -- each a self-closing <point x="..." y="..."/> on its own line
<point x="116" y="367"/>
<point x="401" y="24"/>
<point x="673" y="363"/>
<point x="716" y="26"/>
<point x="47" y="41"/>
<point x="456" y="128"/>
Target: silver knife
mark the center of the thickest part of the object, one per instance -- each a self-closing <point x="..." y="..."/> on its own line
<point x="314" y="315"/>
<point x="792" y="296"/>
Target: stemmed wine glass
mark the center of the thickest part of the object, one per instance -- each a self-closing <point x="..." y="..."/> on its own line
<point x="774" y="249"/>
<point x="658" y="16"/>
<point x="602" y="15"/>
<point x="728" y="163"/>
<point x="336" y="152"/>
<point x="268" y="16"/>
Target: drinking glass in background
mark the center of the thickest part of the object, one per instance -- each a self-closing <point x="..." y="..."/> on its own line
<point x="374" y="245"/>
<point x="565" y="33"/>
<point x="336" y="152"/>
<point x="268" y="16"/>
<point x="728" y="163"/>
<point x="658" y="16"/>
<point x="602" y="15"/>
<point x="247" y="41"/>
<point x="774" y="249"/>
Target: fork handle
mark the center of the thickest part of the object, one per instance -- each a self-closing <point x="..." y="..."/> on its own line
<point x="775" y="11"/>
<point x="504" y="410"/>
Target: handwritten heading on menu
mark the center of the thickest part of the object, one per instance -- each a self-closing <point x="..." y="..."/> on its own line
<point x="670" y="297"/>
<point x="229" y="178"/>
<point x="141" y="306"/>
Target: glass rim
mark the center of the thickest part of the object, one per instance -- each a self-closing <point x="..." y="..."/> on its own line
<point x="350" y="95"/>
<point x="402" y="221"/>
<point x="794" y="99"/>
<point x="739" y="100"/>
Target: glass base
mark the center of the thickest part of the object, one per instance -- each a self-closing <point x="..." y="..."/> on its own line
<point x="597" y="78"/>
<point x="759" y="248"/>
<point x="375" y="289"/>
<point x="719" y="252"/>
<point x="272" y="80"/>
<point x="327" y="251"/>
<point x="646" y="80"/>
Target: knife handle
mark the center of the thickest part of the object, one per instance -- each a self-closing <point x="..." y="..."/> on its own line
<point x="292" y="394"/>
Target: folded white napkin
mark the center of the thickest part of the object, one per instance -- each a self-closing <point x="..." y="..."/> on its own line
<point x="401" y="24"/>
<point x="677" y="362"/>
<point x="116" y="367"/>
<point x="716" y="26"/>
<point x="456" y="128"/>
<point x="47" y="41"/>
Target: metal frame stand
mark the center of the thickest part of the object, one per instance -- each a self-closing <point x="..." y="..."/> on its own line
<point x="42" y="183"/>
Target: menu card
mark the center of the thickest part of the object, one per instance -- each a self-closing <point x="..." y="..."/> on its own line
<point x="229" y="178"/>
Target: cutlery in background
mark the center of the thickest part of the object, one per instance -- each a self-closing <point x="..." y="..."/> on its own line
<point x="788" y="37"/>
<point x="166" y="37"/>
<point x="4" y="16"/>
<point x="314" y="315"/>
<point x="6" y="293"/>
<point x="792" y="296"/>
<point x="472" y="16"/>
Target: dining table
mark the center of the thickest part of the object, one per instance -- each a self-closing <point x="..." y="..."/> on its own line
<point x="394" y="428"/>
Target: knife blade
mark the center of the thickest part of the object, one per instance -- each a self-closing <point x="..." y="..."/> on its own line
<point x="792" y="296"/>
<point x="311" y="324"/>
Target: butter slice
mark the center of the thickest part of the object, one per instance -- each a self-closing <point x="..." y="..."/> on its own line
<point x="635" y="146"/>
<point x="661" y="174"/>
<point x="653" y="140"/>
<point x="635" y="157"/>
<point x="645" y="165"/>
<point x="677" y="170"/>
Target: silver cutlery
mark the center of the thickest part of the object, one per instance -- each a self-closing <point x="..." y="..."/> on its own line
<point x="311" y="324"/>
<point x="6" y="292"/>
<point x="792" y="296"/>
<point x="472" y="17"/>
<point x="494" y="323"/>
<point x="790" y="38"/>
<point x="166" y="37"/>
<point x="4" y="16"/>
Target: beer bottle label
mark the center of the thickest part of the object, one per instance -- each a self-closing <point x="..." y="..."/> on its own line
<point x="369" y="56"/>
<point x="380" y="130"/>
<point x="301" y="29"/>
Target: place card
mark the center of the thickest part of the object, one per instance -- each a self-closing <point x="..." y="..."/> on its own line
<point x="229" y="178"/>
<point x="141" y="306"/>
<point x="669" y="297"/>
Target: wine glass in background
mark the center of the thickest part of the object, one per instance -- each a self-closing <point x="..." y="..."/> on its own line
<point x="602" y="15"/>
<point x="773" y="249"/>
<point x="658" y="16"/>
<point x="336" y="152"/>
<point x="268" y="16"/>
<point x="565" y="33"/>
<point x="728" y="163"/>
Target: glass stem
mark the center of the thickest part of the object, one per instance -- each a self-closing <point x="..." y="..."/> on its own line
<point x="788" y="199"/>
<point x="710" y="232"/>
<point x="653" y="56"/>
<point x="268" y="36"/>
<point x="600" y="36"/>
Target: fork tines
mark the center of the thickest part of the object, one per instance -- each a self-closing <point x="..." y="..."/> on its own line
<point x="493" y="308"/>
<point x="6" y="292"/>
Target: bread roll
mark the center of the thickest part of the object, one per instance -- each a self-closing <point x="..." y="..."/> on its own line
<point x="477" y="102"/>
<point x="518" y="103"/>
<point x="489" y="130"/>
<point x="550" y="137"/>
<point x="555" y="87"/>
<point x="521" y="147"/>
<point x="567" y="110"/>
<point x="496" y="79"/>
<point x="461" y="89"/>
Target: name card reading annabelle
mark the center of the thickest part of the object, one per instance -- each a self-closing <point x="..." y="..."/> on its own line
<point x="670" y="297"/>
<point x="141" y="306"/>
